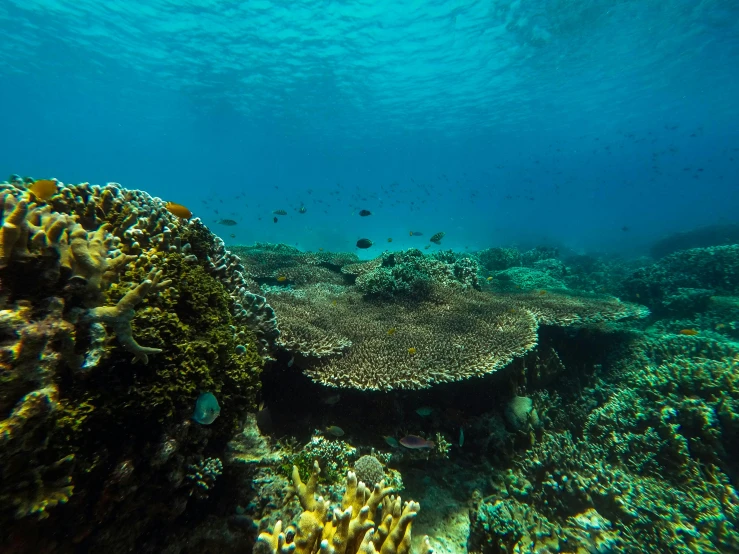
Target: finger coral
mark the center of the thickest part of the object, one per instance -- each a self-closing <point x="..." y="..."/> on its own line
<point x="368" y="521"/>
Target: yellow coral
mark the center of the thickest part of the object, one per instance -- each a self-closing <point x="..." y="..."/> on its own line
<point x="13" y="227"/>
<point x="352" y="529"/>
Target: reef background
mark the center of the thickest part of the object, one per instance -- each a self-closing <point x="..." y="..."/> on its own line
<point x="548" y="306"/>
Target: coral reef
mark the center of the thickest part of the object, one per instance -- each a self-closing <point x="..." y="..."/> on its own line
<point x="646" y="460"/>
<point x="498" y="259"/>
<point x="702" y="237"/>
<point x="411" y="274"/>
<point x="682" y="283"/>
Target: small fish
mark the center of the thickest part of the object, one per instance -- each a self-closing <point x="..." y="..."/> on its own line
<point x="542" y="292"/>
<point x="207" y="409"/>
<point x="427" y="247"/>
<point x="391" y="442"/>
<point x="178" y="210"/>
<point x="688" y="332"/>
<point x="227" y="222"/>
<point x="416" y="443"/>
<point x="489" y="279"/>
<point x="391" y="331"/>
<point x="364" y="213"/>
<point x="436" y="239"/>
<point x="333" y="302"/>
<point x="425" y="411"/>
<point x="279" y="212"/>
<point x="281" y="278"/>
<point x="43" y="189"/>
<point x="390" y="240"/>
<point x="720" y="326"/>
<point x="461" y="437"/>
<point x="274" y="219"/>
<point x="364" y="243"/>
<point x="334" y="431"/>
<point x="232" y="235"/>
<point x="416" y="234"/>
<point x="302" y="209"/>
<point x="320" y="249"/>
<point x="412" y="350"/>
<point x="331" y="400"/>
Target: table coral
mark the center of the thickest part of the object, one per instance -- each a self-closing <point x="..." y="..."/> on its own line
<point x="412" y="344"/>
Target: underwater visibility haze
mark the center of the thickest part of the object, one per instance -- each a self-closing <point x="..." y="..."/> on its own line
<point x="270" y="270"/>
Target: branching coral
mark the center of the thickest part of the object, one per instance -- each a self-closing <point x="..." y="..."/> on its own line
<point x="119" y="316"/>
<point x="356" y="527"/>
<point x="454" y="335"/>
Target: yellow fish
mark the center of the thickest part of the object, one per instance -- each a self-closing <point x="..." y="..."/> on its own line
<point x="412" y="350"/>
<point x="43" y="189"/>
<point x="489" y="279"/>
<point x="391" y="331"/>
<point x="178" y="210"/>
<point x="688" y="332"/>
<point x="281" y="279"/>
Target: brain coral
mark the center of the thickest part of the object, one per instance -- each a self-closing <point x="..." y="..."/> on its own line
<point x="406" y="343"/>
<point x="369" y="470"/>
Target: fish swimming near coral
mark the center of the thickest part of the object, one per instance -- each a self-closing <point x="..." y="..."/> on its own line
<point x="436" y="239"/>
<point x="688" y="332"/>
<point x="279" y="212"/>
<point x="331" y="400"/>
<point x="207" y="409"/>
<point x="415" y="442"/>
<point x="416" y="234"/>
<point x="334" y="431"/>
<point x="364" y="213"/>
<point x="43" y="189"/>
<point x="227" y="222"/>
<point x="178" y="210"/>
<point x="281" y="278"/>
<point x="425" y="411"/>
<point x="391" y="331"/>
<point x="391" y="442"/>
<point x="364" y="243"/>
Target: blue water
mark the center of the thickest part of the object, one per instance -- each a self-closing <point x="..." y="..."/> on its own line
<point x="500" y="123"/>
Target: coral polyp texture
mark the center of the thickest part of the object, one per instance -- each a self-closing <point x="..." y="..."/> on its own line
<point x="449" y="334"/>
<point x="114" y="316"/>
<point x="368" y="520"/>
